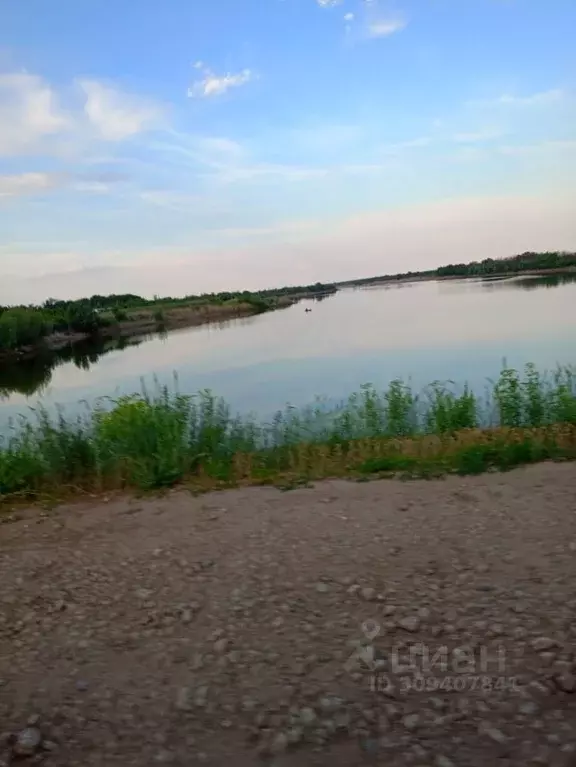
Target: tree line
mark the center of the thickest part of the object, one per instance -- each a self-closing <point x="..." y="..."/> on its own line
<point x="525" y="262"/>
<point x="27" y="325"/>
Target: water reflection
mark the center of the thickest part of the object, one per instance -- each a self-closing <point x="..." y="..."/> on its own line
<point x="457" y="329"/>
<point x="530" y="282"/>
<point x="33" y="375"/>
<point x="318" y="297"/>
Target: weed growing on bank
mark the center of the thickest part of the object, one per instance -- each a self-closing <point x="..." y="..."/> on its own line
<point x="155" y="440"/>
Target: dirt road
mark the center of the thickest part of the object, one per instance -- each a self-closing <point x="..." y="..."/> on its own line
<point x="430" y="624"/>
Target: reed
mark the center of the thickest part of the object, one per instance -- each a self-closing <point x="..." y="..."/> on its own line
<point x="158" y="439"/>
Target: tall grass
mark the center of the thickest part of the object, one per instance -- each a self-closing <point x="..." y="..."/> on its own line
<point x="154" y="440"/>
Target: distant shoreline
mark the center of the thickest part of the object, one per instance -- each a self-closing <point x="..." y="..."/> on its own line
<point x="158" y="316"/>
<point x="141" y="324"/>
<point x="425" y="277"/>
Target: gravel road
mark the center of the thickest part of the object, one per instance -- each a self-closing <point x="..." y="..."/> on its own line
<point x="422" y="623"/>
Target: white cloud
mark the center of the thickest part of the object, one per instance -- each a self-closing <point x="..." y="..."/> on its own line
<point x="361" y="169"/>
<point x="224" y="161"/>
<point x="216" y="85"/>
<point x="544" y="146"/>
<point x="385" y="27"/>
<point x="164" y="198"/>
<point x="411" y="237"/>
<point x="215" y="152"/>
<point x="33" y="123"/>
<point x="328" y="3"/>
<point x="474" y="137"/>
<point x="546" y="97"/>
<point x="323" y="137"/>
<point x="293" y="228"/>
<point x="92" y="187"/>
<point x="400" y="146"/>
<point x="221" y="161"/>
<point x="116" y="115"/>
<point x="348" y="17"/>
<point x="271" y="171"/>
<point x="29" y="113"/>
<point x="217" y="145"/>
<point x="542" y="98"/>
<point x="20" y="184"/>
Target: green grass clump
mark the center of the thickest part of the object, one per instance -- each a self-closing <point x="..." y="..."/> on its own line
<point x="120" y="314"/>
<point x="150" y="441"/>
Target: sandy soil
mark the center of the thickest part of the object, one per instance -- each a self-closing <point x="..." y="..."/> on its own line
<point x="301" y="628"/>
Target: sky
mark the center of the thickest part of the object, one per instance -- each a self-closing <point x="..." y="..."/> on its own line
<point x="185" y="146"/>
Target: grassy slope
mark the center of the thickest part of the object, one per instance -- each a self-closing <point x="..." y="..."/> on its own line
<point x="148" y="442"/>
<point x="181" y="315"/>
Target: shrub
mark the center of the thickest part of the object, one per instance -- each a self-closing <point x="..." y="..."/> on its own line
<point x="20" y="327"/>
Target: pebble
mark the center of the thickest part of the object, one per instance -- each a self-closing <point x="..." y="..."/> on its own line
<point x="342" y="720"/>
<point x="307" y="716"/>
<point x="370" y="745"/>
<point x="411" y="721"/>
<point x="248" y="704"/>
<point x="313" y="632"/>
<point x="279" y="743"/>
<point x="541" y="644"/>
<point x="493" y="733"/>
<point x="27" y="741"/>
<point x="566" y="682"/>
<point x="410" y="624"/>
<point x="443" y="761"/>
<point x="197" y="662"/>
<point x="221" y="645"/>
<point x="201" y="696"/>
<point x="183" y="699"/>
<point x="330" y="703"/>
<point x="295" y="735"/>
<point x="438" y="704"/>
<point x="33" y="720"/>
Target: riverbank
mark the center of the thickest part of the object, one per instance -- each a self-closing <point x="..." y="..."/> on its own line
<point x="142" y="321"/>
<point x="158" y="440"/>
<point x="253" y="627"/>
<point x="435" y="277"/>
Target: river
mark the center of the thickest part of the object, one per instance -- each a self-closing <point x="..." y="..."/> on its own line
<point x="458" y="330"/>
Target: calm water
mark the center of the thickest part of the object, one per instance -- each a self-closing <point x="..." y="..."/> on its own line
<point x="453" y="330"/>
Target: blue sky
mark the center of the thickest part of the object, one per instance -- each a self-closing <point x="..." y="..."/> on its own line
<point x="186" y="146"/>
